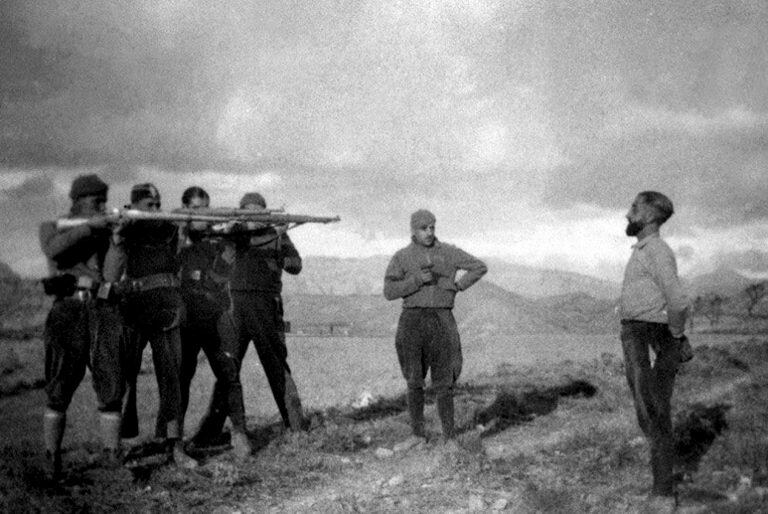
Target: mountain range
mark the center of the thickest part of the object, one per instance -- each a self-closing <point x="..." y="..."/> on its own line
<point x="344" y="295"/>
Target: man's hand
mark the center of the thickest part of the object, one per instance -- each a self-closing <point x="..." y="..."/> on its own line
<point x="228" y="254"/>
<point x="426" y="276"/>
<point x="99" y="221"/>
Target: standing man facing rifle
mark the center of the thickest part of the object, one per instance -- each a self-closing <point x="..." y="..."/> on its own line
<point x="653" y="310"/>
<point x="81" y="330"/>
<point x="144" y="254"/>
<point x="423" y="274"/>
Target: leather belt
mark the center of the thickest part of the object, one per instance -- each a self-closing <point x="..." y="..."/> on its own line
<point x="150" y="282"/>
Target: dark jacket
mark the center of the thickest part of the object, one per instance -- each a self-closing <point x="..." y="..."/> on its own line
<point x="204" y="275"/>
<point x="260" y="260"/>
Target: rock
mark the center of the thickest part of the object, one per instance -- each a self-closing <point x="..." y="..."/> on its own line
<point x="499" y="504"/>
<point x="383" y="453"/>
<point x="395" y="481"/>
<point x="413" y="442"/>
<point x="475" y="502"/>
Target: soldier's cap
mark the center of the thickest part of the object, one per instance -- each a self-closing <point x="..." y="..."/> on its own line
<point x="145" y="190"/>
<point x="88" y="185"/>
<point x="421" y="219"/>
<point x="253" y="199"/>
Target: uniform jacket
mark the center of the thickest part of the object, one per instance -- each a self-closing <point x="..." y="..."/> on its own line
<point x="147" y="248"/>
<point x="402" y="278"/>
<point x="204" y="275"/>
<point x="260" y="260"/>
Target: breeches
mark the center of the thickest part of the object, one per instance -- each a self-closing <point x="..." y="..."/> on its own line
<point x="80" y="334"/>
<point x="155" y="317"/>
<point x="427" y="340"/>
<point x="216" y="337"/>
<point x="259" y="318"/>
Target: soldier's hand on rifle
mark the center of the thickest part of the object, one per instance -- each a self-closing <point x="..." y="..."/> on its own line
<point x="99" y="221"/>
<point x="228" y="254"/>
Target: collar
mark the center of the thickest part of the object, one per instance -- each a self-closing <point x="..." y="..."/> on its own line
<point x="644" y="241"/>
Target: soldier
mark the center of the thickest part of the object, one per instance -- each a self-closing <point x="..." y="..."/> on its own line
<point x="653" y="309"/>
<point x="423" y="274"/>
<point x="256" y="285"/>
<point x="144" y="254"/>
<point x="81" y="330"/>
<point x="205" y="267"/>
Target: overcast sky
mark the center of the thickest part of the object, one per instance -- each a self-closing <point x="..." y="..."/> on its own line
<point x="527" y="127"/>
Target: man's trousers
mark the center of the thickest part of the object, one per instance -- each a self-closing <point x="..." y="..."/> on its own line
<point x="651" y="385"/>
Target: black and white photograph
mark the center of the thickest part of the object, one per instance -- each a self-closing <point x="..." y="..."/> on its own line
<point x="435" y="256"/>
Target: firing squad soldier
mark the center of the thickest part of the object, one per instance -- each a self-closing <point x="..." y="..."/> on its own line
<point x="256" y="286"/>
<point x="143" y="256"/>
<point x="80" y="329"/>
<point x="205" y="269"/>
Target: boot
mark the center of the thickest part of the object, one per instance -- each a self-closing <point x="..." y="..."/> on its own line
<point x="241" y="445"/>
<point x="415" y="400"/>
<point x="209" y="432"/>
<point x="109" y="425"/>
<point x="445" y="412"/>
<point x="54" y="423"/>
<point x="293" y="404"/>
<point x="130" y="419"/>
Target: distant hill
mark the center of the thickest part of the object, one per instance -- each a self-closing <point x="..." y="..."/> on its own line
<point x="535" y="282"/>
<point x="483" y="310"/>
<point x="724" y="281"/>
<point x="337" y="276"/>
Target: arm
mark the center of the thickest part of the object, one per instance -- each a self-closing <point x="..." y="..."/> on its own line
<point x="115" y="261"/>
<point x="396" y="283"/>
<point x="474" y="267"/>
<point x="664" y="270"/>
<point x="290" y="255"/>
<point x="222" y="264"/>
<point x="54" y="243"/>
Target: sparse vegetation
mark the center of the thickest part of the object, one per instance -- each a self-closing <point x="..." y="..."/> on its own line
<point x="583" y="452"/>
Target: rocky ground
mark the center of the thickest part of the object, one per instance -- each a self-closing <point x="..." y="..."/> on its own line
<point x="555" y="439"/>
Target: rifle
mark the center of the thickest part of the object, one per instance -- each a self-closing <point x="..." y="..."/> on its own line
<point x="266" y="217"/>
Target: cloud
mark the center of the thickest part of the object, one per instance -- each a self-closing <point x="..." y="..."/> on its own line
<point x="496" y="115"/>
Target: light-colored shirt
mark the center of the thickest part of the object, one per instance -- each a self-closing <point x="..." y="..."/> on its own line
<point x="651" y="290"/>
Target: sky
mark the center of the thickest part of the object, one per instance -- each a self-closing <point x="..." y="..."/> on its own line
<point x="527" y="127"/>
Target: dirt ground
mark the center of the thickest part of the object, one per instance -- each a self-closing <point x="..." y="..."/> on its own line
<point x="555" y="438"/>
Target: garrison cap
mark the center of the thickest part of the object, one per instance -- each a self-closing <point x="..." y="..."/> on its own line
<point x="253" y="198"/>
<point x="422" y="218"/>
<point x="87" y="185"/>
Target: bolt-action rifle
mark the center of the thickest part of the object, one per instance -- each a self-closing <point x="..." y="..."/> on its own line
<point x="213" y="216"/>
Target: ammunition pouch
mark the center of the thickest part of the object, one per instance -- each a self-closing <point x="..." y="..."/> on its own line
<point x="149" y="282"/>
<point x="60" y="286"/>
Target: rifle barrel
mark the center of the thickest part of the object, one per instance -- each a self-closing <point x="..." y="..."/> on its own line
<point x="187" y="215"/>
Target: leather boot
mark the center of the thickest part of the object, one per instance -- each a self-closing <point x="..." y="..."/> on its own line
<point x="415" y="400"/>
<point x="293" y="404"/>
<point x="54" y="423"/>
<point x="445" y="412"/>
